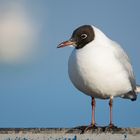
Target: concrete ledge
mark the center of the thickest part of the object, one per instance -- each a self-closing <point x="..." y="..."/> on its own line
<point x="99" y="133"/>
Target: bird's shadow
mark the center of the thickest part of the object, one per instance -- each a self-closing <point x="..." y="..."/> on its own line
<point x="94" y="129"/>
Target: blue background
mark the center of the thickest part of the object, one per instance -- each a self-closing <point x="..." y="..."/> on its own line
<point x="40" y="94"/>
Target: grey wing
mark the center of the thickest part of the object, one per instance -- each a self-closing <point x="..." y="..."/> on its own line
<point x="125" y="61"/>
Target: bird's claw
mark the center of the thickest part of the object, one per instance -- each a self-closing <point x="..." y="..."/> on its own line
<point x="86" y="128"/>
<point x="112" y="126"/>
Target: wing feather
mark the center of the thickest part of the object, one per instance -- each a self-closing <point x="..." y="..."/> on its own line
<point x="125" y="62"/>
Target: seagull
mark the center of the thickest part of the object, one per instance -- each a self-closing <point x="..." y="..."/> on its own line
<point x="99" y="67"/>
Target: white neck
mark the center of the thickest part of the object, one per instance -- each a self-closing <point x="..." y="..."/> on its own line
<point x="100" y="37"/>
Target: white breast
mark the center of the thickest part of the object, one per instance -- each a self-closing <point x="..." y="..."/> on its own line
<point x="95" y="71"/>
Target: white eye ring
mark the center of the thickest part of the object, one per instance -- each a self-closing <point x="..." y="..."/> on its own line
<point x="84" y="36"/>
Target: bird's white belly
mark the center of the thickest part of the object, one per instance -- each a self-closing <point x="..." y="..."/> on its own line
<point x="97" y="73"/>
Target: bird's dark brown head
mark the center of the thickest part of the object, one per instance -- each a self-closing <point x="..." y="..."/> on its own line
<point x="80" y="37"/>
<point x="83" y="35"/>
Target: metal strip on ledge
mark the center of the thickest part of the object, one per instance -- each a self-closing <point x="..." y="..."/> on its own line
<point x="99" y="133"/>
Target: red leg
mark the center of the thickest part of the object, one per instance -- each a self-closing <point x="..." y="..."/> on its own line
<point x="93" y="103"/>
<point x="92" y="125"/>
<point x="111" y="106"/>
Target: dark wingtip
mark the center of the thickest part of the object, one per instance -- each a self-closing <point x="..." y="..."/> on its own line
<point x="134" y="99"/>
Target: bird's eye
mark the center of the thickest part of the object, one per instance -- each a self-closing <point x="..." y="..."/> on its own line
<point x="83" y="36"/>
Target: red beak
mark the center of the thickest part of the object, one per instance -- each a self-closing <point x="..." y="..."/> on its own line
<point x="66" y="43"/>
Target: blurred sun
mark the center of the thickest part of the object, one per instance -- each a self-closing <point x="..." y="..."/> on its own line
<point x="17" y="35"/>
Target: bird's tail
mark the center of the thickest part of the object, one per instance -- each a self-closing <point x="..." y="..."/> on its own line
<point x="137" y="89"/>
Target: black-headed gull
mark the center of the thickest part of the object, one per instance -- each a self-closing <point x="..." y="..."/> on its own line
<point x="99" y="67"/>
